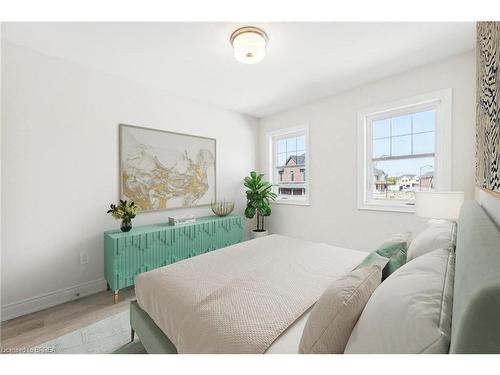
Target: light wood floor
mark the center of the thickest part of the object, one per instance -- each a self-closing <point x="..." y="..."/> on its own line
<point x="36" y="328"/>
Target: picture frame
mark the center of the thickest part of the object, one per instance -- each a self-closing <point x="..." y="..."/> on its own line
<point x="162" y="170"/>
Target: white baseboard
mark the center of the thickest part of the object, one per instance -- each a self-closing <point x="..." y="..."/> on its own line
<point x="15" y="309"/>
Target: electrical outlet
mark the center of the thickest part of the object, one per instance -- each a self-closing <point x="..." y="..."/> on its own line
<point x="84" y="257"/>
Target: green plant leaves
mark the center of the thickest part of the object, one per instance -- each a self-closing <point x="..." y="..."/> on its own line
<point x="265" y="210"/>
<point x="259" y="194"/>
<point x="250" y="211"/>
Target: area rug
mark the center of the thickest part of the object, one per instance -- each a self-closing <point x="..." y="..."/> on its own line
<point x="110" y="335"/>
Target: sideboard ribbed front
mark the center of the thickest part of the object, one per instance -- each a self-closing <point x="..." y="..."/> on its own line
<point x="147" y="247"/>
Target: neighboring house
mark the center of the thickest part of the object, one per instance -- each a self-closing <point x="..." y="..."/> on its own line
<point x="411" y="182"/>
<point x="408" y="181"/>
<point x="380" y="179"/>
<point x="427" y="181"/>
<point x="292" y="176"/>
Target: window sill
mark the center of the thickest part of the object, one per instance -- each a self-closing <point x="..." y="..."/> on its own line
<point x="291" y="202"/>
<point x="383" y="206"/>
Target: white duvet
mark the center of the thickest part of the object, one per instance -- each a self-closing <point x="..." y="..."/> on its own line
<point x="241" y="298"/>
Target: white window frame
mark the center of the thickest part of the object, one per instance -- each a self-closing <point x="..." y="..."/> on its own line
<point x="441" y="101"/>
<point x="273" y="176"/>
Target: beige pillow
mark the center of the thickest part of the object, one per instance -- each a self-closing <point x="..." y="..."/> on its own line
<point x="334" y="316"/>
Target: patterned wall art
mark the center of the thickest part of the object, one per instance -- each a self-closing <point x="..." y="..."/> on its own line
<point x="488" y="106"/>
<point x="162" y="170"/>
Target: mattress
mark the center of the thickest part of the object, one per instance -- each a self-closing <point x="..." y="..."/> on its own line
<point x="170" y="294"/>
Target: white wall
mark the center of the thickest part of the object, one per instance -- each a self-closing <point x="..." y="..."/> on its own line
<point x="60" y="169"/>
<point x="60" y="164"/>
<point x="333" y="216"/>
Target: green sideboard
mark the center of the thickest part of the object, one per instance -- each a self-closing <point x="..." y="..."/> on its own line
<point x="147" y="247"/>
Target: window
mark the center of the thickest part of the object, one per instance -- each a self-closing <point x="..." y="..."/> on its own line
<point x="288" y="163"/>
<point x="403" y="148"/>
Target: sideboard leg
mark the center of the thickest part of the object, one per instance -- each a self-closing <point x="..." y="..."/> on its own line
<point x="115" y="296"/>
<point x="132" y="334"/>
<point x="108" y="287"/>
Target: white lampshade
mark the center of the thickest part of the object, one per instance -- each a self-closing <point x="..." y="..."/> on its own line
<point x="249" y="44"/>
<point x="439" y="205"/>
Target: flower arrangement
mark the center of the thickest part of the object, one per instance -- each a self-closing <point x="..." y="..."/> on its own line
<point x="125" y="212"/>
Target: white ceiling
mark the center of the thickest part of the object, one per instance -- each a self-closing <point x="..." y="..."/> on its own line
<point x="304" y="61"/>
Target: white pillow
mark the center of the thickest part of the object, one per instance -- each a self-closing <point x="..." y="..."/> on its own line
<point x="437" y="236"/>
<point x="334" y="315"/>
<point x="410" y="312"/>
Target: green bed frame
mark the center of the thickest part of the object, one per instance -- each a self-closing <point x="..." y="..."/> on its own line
<point x="476" y="300"/>
<point x="475" y="326"/>
<point x="152" y="338"/>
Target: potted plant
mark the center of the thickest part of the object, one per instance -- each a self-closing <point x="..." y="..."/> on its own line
<point x="259" y="197"/>
<point x="124" y="211"/>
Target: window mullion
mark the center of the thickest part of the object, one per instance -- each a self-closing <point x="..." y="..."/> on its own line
<point x="411" y="136"/>
<point x="390" y="137"/>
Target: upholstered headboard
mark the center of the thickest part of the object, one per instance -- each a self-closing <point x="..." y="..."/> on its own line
<point x="476" y="300"/>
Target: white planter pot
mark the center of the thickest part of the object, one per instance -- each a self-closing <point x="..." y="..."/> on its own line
<point x="254" y="234"/>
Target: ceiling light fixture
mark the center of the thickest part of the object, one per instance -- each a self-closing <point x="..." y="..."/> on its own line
<point x="249" y="44"/>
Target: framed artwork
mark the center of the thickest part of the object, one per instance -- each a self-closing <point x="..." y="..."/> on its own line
<point x="161" y="170"/>
<point x="488" y="107"/>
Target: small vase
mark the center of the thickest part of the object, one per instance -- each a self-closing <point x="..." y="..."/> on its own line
<point x="126" y="225"/>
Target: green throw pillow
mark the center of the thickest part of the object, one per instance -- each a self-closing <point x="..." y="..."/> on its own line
<point x="390" y="256"/>
<point x="372" y="259"/>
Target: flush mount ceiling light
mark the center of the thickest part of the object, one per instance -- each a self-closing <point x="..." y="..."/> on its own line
<point x="249" y="44"/>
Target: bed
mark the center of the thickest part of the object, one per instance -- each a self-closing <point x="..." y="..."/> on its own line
<point x="252" y="297"/>
<point x="162" y="294"/>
